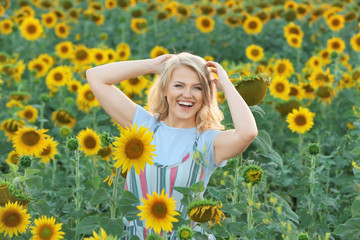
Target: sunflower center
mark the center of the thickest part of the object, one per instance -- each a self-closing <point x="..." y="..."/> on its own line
<point x="12" y="219"/>
<point x="81" y="55"/>
<point x="281" y="68"/>
<point x="335" y="45"/>
<point x="255" y="52"/>
<point x="89" y="142"/>
<point x="323" y="92"/>
<point x="320" y="77"/>
<point x="300" y="120"/>
<point x="185" y="233"/>
<point x="7" y="26"/>
<point x="49" y="20"/>
<point x="62" y="29"/>
<point x="30" y="138"/>
<point x="134" y="148"/>
<point x="74" y="87"/>
<point x="63" y="117"/>
<point x="358" y="41"/>
<point x="205" y="23"/>
<point x="46" y="232"/>
<point x="253" y="25"/>
<point x="159" y="210"/>
<point x="134" y="81"/>
<point x="253" y="175"/>
<point x="28" y="114"/>
<point x="64" y="49"/>
<point x="31" y="29"/>
<point x="294" y="31"/>
<point x="46" y="151"/>
<point x="122" y="54"/>
<point x="336" y="22"/>
<point x="99" y="57"/>
<point x="38" y="67"/>
<point x="293" y="91"/>
<point x="58" y="77"/>
<point x="280" y="87"/>
<point x="89" y="96"/>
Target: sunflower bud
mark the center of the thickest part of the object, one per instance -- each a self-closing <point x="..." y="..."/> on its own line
<point x="44" y="98"/>
<point x="65" y="131"/>
<point x="25" y="161"/>
<point x="69" y="101"/>
<point x="290" y="15"/>
<point x="313" y="149"/>
<point x="252" y="174"/>
<point x="106" y="139"/>
<point x="185" y="233"/>
<point x="333" y="55"/>
<point x="153" y="236"/>
<point x="72" y="144"/>
<point x="303" y="236"/>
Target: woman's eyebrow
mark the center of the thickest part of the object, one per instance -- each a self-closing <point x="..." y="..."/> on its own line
<point x="184" y="83"/>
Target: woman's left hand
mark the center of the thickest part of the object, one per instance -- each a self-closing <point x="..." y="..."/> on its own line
<point x="220" y="77"/>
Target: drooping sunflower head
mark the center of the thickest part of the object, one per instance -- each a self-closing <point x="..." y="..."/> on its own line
<point x="253" y="88"/>
<point x="185" y="232"/>
<point x="11" y="193"/>
<point x="205" y="210"/>
<point x="47" y="229"/>
<point x="158" y="211"/>
<point x="30" y="141"/>
<point x="300" y="120"/>
<point x="134" y="149"/>
<point x="285" y="108"/>
<point x="63" y="118"/>
<point x="252" y="174"/>
<point x="11" y="126"/>
<point x="325" y="94"/>
<point x="89" y="142"/>
<point x="106" y="152"/>
<point x="14" y="219"/>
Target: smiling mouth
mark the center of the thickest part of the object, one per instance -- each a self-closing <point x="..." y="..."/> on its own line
<point x="185" y="104"/>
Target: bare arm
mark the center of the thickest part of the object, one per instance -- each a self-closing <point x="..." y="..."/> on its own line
<point x="231" y="143"/>
<point x="102" y="79"/>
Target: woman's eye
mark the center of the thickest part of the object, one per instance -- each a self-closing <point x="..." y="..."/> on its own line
<point x="198" y="88"/>
<point x="178" y="85"/>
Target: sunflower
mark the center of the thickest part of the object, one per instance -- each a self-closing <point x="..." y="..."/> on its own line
<point x="111" y="54"/>
<point x="74" y="85"/>
<point x="252" y="88"/>
<point x="11" y="193"/>
<point x="65" y="50"/>
<point x="133" y="148"/>
<point x="86" y="99"/>
<point x="31" y="29"/>
<point x="98" y="56"/>
<point x="346" y="81"/>
<point x="58" y="76"/>
<point x="302" y="10"/>
<point x="135" y="85"/>
<point x="283" y="68"/>
<point x="254" y="52"/>
<point x="355" y="42"/>
<point x="13" y="157"/>
<point x="205" y="210"/>
<point x="14" y="219"/>
<point x="292" y="28"/>
<point x="335" y="22"/>
<point x="314" y="62"/>
<point x="336" y="44"/>
<point x="325" y="94"/>
<point x="252" y="25"/>
<point x="309" y="90"/>
<point x="81" y="55"/>
<point x="6" y="26"/>
<point x="63" y="118"/>
<point x="11" y="126"/>
<point x="14" y="103"/>
<point x="252" y="174"/>
<point x="233" y="21"/>
<point x="110" y="4"/>
<point x="139" y="25"/>
<point x="49" y="60"/>
<point x="46" y="229"/>
<point x="103" y="235"/>
<point x="39" y="66"/>
<point x="30" y="113"/>
<point x="325" y="56"/>
<point x="158" y="212"/>
<point x="320" y="78"/>
<point x="290" y="4"/>
<point x="158" y="51"/>
<point x="48" y="19"/>
<point x="294" y="41"/>
<point x="106" y="153"/>
<point x="205" y="24"/>
<point x="123" y="51"/>
<point x="183" y="12"/>
<point x="29" y="141"/>
<point x="89" y="142"/>
<point x="287" y="107"/>
<point x="50" y="150"/>
<point x="296" y="91"/>
<point x="280" y="88"/>
<point x="300" y="120"/>
<point x="62" y="30"/>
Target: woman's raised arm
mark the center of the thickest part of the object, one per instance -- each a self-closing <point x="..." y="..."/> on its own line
<point x="102" y="79"/>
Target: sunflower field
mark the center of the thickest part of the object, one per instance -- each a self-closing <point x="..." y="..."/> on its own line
<point x="296" y="64"/>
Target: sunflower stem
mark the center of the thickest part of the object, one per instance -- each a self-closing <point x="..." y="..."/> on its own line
<point x="165" y="235"/>
<point x="53" y="172"/>
<point x="235" y="197"/>
<point x="77" y="186"/>
<point x="42" y="120"/>
<point x="300" y="145"/>
<point x="250" y="213"/>
<point x="114" y="196"/>
<point x="312" y="174"/>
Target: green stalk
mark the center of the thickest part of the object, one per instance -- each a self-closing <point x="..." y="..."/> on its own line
<point x="42" y="120"/>
<point x="53" y="172"/>
<point x="312" y="174"/>
<point x="77" y="186"/>
<point x="114" y="196"/>
<point x="301" y="141"/>
<point x="250" y="219"/>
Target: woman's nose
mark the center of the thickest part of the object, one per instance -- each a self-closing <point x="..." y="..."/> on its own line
<point x="187" y="92"/>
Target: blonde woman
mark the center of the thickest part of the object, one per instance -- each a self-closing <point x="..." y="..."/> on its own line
<point x="183" y="114"/>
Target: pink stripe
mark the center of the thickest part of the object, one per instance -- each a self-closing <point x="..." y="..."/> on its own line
<point x="201" y="175"/>
<point x="186" y="157"/>
<point x="126" y="187"/>
<point x="146" y="232"/>
<point x="173" y="174"/>
<point x="143" y="184"/>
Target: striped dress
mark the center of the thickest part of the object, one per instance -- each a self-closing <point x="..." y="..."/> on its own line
<point x="156" y="177"/>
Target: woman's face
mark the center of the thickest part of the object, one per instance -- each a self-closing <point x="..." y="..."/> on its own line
<point x="185" y="95"/>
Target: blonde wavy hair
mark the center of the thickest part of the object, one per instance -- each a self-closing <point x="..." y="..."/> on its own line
<point x="209" y="115"/>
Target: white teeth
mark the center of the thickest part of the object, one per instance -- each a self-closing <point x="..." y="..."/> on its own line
<point x="186" y="103"/>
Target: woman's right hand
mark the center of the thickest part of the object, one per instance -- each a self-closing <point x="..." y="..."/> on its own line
<point x="158" y="61"/>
